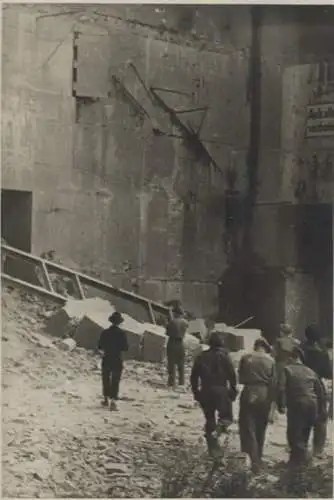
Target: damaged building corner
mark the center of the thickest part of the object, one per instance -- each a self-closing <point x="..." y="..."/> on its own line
<point x="195" y="144"/>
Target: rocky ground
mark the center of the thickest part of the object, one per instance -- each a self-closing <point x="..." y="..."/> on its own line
<point x="57" y="439"/>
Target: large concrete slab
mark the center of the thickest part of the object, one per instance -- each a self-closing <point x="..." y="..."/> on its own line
<point x="88" y="332"/>
<point x="237" y="339"/>
<point x="154" y="343"/>
<point x="60" y="324"/>
<point x="198" y="328"/>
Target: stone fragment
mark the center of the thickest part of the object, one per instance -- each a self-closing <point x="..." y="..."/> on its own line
<point x="39" y="468"/>
<point x="117" y="468"/>
<point x="67" y="344"/>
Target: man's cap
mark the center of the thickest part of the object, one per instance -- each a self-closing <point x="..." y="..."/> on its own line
<point x="312" y="332"/>
<point x="261" y="342"/>
<point x="178" y="311"/>
<point x="216" y="340"/>
<point x="285" y="328"/>
<point x="116" y="318"/>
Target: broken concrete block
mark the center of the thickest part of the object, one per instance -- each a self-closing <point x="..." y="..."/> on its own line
<point x="241" y="338"/>
<point x="198" y="329"/>
<point x="134" y="333"/>
<point x="67" y="344"/>
<point x="192" y="345"/>
<point x="73" y="312"/>
<point x="88" y="331"/>
<point x="154" y="343"/>
<point x="236" y="339"/>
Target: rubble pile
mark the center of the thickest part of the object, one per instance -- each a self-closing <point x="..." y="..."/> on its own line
<point x="57" y="439"/>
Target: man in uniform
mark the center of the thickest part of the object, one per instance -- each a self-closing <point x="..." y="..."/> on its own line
<point x="301" y="394"/>
<point x="175" y="331"/>
<point x="215" y="372"/>
<point x="257" y="374"/>
<point x="282" y="349"/>
<point x="316" y="357"/>
<point x="112" y="342"/>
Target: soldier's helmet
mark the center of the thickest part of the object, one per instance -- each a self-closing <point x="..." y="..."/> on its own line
<point x="261" y="342"/>
<point x="285" y="329"/>
<point x="216" y="340"/>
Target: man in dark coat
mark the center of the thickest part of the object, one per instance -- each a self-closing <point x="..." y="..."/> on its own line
<point x="317" y="358"/>
<point x="301" y="394"/>
<point x="257" y="375"/>
<point x="175" y="331"/>
<point x="215" y="372"/>
<point x="112" y="342"/>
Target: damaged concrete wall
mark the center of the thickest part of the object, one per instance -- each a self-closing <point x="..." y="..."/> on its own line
<point x="107" y="192"/>
<point x="291" y="53"/>
<point x="293" y="56"/>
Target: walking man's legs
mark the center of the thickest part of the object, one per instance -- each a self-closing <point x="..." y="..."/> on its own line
<point x="319" y="436"/>
<point x="180" y="365"/>
<point x="210" y="427"/>
<point x="116" y="376"/>
<point x="106" y="371"/>
<point x="171" y="367"/>
<point x="299" y="424"/>
<point x="261" y="424"/>
<point x="247" y="431"/>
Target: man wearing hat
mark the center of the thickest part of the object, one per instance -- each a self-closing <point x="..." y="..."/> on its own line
<point x="301" y="394"/>
<point x="317" y="358"/>
<point x="175" y="331"/>
<point x="257" y="375"/>
<point x="112" y="342"/>
<point x="282" y="349"/>
<point x="215" y="372"/>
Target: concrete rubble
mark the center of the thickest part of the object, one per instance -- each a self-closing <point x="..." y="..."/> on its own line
<point x="83" y="321"/>
<point x="237" y="339"/>
<point x="59" y="442"/>
<point x="198" y="329"/>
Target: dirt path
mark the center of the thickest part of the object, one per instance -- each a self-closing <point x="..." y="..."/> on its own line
<point x="59" y="442"/>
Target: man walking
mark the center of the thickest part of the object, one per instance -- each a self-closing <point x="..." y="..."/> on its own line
<point x="175" y="331"/>
<point x="112" y="342"/>
<point x="301" y="394"/>
<point x="316" y="357"/>
<point x="214" y="370"/>
<point x="282" y="350"/>
<point x="257" y="374"/>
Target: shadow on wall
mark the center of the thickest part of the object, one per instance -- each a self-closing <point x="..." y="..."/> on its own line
<point x="249" y="289"/>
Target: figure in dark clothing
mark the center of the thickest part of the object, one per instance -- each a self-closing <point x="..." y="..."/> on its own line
<point x="257" y="375"/>
<point x="175" y="331"/>
<point x="301" y="394"/>
<point x="282" y="350"/>
<point x="215" y="372"/>
<point x="112" y="342"/>
<point x="316" y="357"/>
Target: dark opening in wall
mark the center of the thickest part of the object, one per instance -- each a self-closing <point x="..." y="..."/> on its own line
<point x="16" y="227"/>
<point x="16" y="215"/>
<point x="315" y="237"/>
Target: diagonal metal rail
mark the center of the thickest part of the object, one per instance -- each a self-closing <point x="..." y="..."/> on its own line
<point x="43" y="273"/>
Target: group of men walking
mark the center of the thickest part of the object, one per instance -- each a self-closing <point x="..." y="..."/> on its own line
<point x="286" y="378"/>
